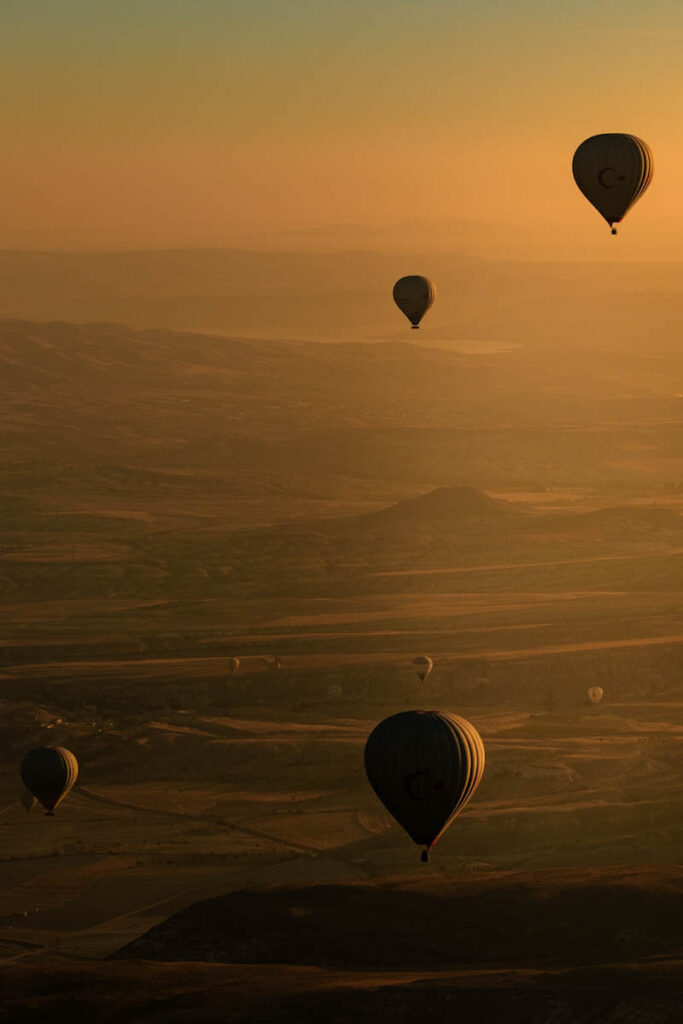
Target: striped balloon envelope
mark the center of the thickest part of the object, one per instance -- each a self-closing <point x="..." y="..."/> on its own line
<point x="424" y="766"/>
<point x="414" y="295"/>
<point x="613" y="171"/>
<point x="49" y="773"/>
<point x="423" y="665"/>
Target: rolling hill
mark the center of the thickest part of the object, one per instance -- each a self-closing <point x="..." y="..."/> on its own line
<point x="545" y="918"/>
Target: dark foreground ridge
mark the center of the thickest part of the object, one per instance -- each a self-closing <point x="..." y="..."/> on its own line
<point x="181" y="992"/>
<point x="558" y="918"/>
<point x="595" y="946"/>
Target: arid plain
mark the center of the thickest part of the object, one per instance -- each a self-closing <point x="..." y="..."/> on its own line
<point x="513" y="509"/>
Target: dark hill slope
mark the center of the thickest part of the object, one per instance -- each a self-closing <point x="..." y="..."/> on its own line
<point x="560" y="918"/>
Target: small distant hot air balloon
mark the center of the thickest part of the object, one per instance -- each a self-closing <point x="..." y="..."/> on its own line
<point x="613" y="171"/>
<point x="233" y="664"/>
<point x="423" y="666"/>
<point x="595" y="694"/>
<point x="48" y="774"/>
<point x="27" y="801"/>
<point x="424" y="766"/>
<point x="414" y="295"/>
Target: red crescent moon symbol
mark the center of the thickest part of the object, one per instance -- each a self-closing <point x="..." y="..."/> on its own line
<point x="602" y="174"/>
<point x="409" y="784"/>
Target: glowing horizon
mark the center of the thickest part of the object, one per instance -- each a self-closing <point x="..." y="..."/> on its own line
<point x="160" y="123"/>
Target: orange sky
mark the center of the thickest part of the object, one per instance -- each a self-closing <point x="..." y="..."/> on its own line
<point x="162" y="122"/>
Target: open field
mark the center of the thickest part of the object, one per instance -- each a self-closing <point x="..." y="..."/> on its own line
<point x="160" y="518"/>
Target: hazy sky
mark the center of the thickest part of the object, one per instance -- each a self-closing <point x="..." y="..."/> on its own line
<point x="157" y="122"/>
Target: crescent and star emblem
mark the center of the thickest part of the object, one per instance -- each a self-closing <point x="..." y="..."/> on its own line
<point x="609" y="177"/>
<point x="419" y="786"/>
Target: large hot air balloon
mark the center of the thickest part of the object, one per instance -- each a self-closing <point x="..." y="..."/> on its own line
<point x="233" y="664"/>
<point x="423" y="666"/>
<point x="414" y="295"/>
<point x="595" y="694"/>
<point x="424" y="766"/>
<point x="27" y="800"/>
<point x="49" y="773"/>
<point x="613" y="171"/>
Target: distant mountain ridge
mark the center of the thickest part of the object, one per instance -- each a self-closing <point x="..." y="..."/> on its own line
<point x="335" y="294"/>
<point x="466" y="507"/>
<point x="449" y="504"/>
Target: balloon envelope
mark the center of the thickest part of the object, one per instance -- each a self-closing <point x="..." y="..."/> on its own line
<point x="423" y="666"/>
<point x="424" y="766"/>
<point x="49" y="773"/>
<point x="414" y="295"/>
<point x="595" y="694"/>
<point x="233" y="664"/>
<point x="613" y="171"/>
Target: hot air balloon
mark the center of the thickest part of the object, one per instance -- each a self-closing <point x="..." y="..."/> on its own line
<point x="424" y="766"/>
<point x="414" y="295"/>
<point x="27" y="800"/>
<point x="423" y="666"/>
<point x="595" y="694"/>
<point x="49" y="773"/>
<point x="613" y="171"/>
<point x="233" y="664"/>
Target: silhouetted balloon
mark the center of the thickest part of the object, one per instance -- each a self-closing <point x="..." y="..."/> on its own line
<point x="414" y="295"/>
<point x="424" y="766"/>
<point x="27" y="801"/>
<point x="233" y="664"/>
<point x="49" y="773"/>
<point x="613" y="171"/>
<point x="423" y="666"/>
<point x="595" y="694"/>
